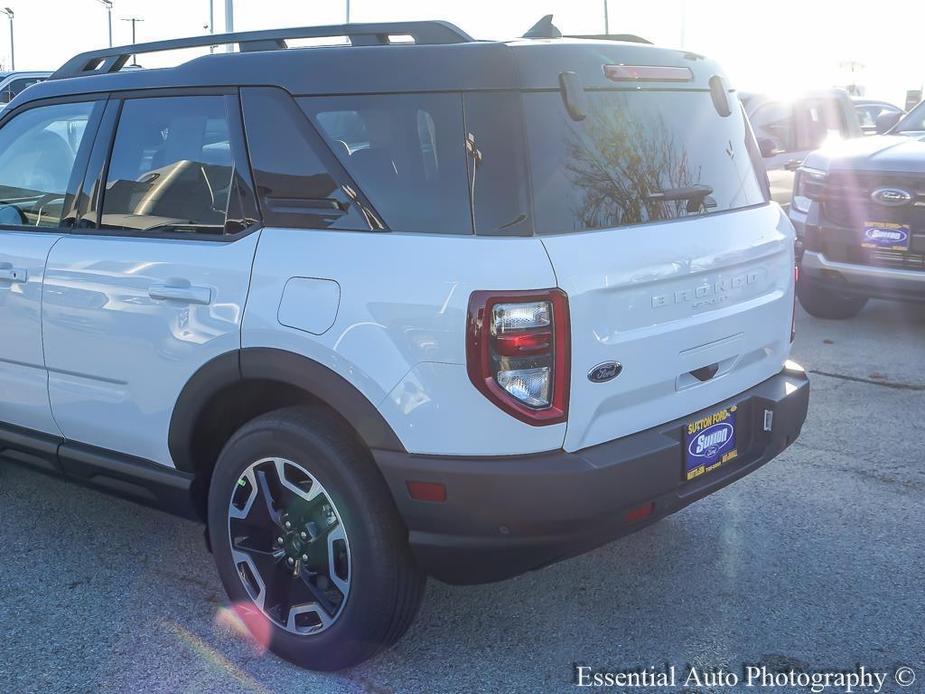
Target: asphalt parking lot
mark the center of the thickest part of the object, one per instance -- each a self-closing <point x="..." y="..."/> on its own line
<point x="815" y="561"/>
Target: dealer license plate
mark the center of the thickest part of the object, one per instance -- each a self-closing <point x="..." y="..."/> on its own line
<point x="886" y="236"/>
<point x="710" y="442"/>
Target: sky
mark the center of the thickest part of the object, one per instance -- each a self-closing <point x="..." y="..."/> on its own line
<point x="779" y="47"/>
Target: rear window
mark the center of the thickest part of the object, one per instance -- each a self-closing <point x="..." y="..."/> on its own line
<point x="637" y="157"/>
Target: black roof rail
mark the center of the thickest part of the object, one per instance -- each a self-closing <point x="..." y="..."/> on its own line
<point x="106" y="60"/>
<point x="629" y="38"/>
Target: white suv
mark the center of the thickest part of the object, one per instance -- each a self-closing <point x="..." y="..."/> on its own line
<point x="374" y="312"/>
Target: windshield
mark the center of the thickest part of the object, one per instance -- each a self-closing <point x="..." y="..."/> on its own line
<point x="914" y="122"/>
<point x="638" y="157"/>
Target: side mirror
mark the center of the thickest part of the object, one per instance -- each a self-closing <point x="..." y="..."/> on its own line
<point x="886" y="122"/>
<point x="768" y="147"/>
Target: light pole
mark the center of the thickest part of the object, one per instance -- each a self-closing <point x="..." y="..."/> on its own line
<point x="134" y="21"/>
<point x="683" y="22"/>
<point x="606" y="18"/>
<point x="211" y="22"/>
<point x="9" y="13"/>
<point x="348" y="11"/>
<point x="108" y="5"/>
<point x="229" y="22"/>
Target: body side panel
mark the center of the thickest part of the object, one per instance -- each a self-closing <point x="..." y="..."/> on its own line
<point x="399" y="334"/>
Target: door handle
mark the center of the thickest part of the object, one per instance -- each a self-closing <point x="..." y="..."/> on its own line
<point x="13" y="274"/>
<point x="186" y="295"/>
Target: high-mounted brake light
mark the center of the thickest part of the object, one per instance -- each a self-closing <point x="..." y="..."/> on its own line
<point x="517" y="351"/>
<point x="647" y="73"/>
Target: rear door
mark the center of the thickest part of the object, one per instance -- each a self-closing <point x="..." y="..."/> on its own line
<point x="42" y="154"/>
<point x="658" y="229"/>
<point x="153" y="284"/>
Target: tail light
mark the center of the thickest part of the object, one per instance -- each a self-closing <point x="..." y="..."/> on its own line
<point x="517" y="349"/>
<point x="793" y="318"/>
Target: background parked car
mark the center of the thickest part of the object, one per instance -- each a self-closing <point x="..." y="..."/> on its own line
<point x="858" y="212"/>
<point x="869" y="111"/>
<point x="788" y="129"/>
<point x="11" y="83"/>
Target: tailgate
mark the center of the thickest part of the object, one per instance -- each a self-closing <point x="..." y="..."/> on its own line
<point x="673" y="303"/>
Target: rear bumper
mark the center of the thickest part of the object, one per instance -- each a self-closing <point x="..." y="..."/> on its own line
<point x="862" y="280"/>
<point x="505" y="516"/>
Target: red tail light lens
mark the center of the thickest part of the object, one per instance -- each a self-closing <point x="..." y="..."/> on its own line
<point x="517" y="350"/>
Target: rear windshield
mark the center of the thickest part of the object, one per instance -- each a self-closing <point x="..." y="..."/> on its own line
<point x="637" y="157"/>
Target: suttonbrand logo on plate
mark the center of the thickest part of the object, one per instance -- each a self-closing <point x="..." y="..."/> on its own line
<point x="712" y="441"/>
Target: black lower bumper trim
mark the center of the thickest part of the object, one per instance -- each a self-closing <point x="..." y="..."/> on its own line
<point x="888" y="288"/>
<point x="505" y="516"/>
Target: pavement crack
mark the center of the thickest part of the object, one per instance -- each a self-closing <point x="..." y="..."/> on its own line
<point x="870" y="381"/>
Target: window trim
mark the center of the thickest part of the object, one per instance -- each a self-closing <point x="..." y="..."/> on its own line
<point x="240" y="155"/>
<point x="78" y="171"/>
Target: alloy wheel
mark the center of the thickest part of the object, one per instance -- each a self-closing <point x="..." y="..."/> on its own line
<point x="289" y="546"/>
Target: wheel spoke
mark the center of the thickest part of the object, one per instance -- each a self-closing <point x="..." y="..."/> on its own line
<point x="266" y="507"/>
<point x="261" y="566"/>
<point x="248" y="537"/>
<point x="335" y="534"/>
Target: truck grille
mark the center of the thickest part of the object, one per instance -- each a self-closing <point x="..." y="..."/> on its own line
<point x="847" y="203"/>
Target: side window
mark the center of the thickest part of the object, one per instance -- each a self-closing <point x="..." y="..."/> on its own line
<point x="38" y="151"/>
<point x="868" y="115"/>
<point x="817" y="120"/>
<point x="406" y="152"/>
<point x="174" y="168"/>
<point x="774" y="121"/>
<point x="298" y="180"/>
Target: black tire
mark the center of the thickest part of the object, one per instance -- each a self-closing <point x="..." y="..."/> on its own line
<point x="825" y="303"/>
<point x="385" y="585"/>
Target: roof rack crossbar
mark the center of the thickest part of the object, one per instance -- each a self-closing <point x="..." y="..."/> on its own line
<point x="108" y="60"/>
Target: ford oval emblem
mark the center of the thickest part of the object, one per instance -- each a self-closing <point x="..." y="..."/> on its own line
<point x="605" y="371"/>
<point x="891" y="197"/>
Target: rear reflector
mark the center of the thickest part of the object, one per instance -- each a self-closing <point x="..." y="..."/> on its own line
<point x="427" y="491"/>
<point x="647" y="73"/>
<point x="639" y="513"/>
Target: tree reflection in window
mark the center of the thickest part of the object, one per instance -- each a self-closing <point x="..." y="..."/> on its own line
<point x="617" y="164"/>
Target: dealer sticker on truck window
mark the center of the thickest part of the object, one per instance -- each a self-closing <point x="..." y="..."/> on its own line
<point x="886" y="236"/>
<point x="710" y="442"/>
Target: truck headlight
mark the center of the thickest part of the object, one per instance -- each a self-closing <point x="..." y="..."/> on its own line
<point x="808" y="185"/>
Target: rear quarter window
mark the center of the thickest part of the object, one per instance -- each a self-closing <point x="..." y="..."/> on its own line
<point x="406" y="152"/>
<point x="635" y="150"/>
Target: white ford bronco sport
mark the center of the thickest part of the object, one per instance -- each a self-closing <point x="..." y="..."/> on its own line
<point x="379" y="311"/>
